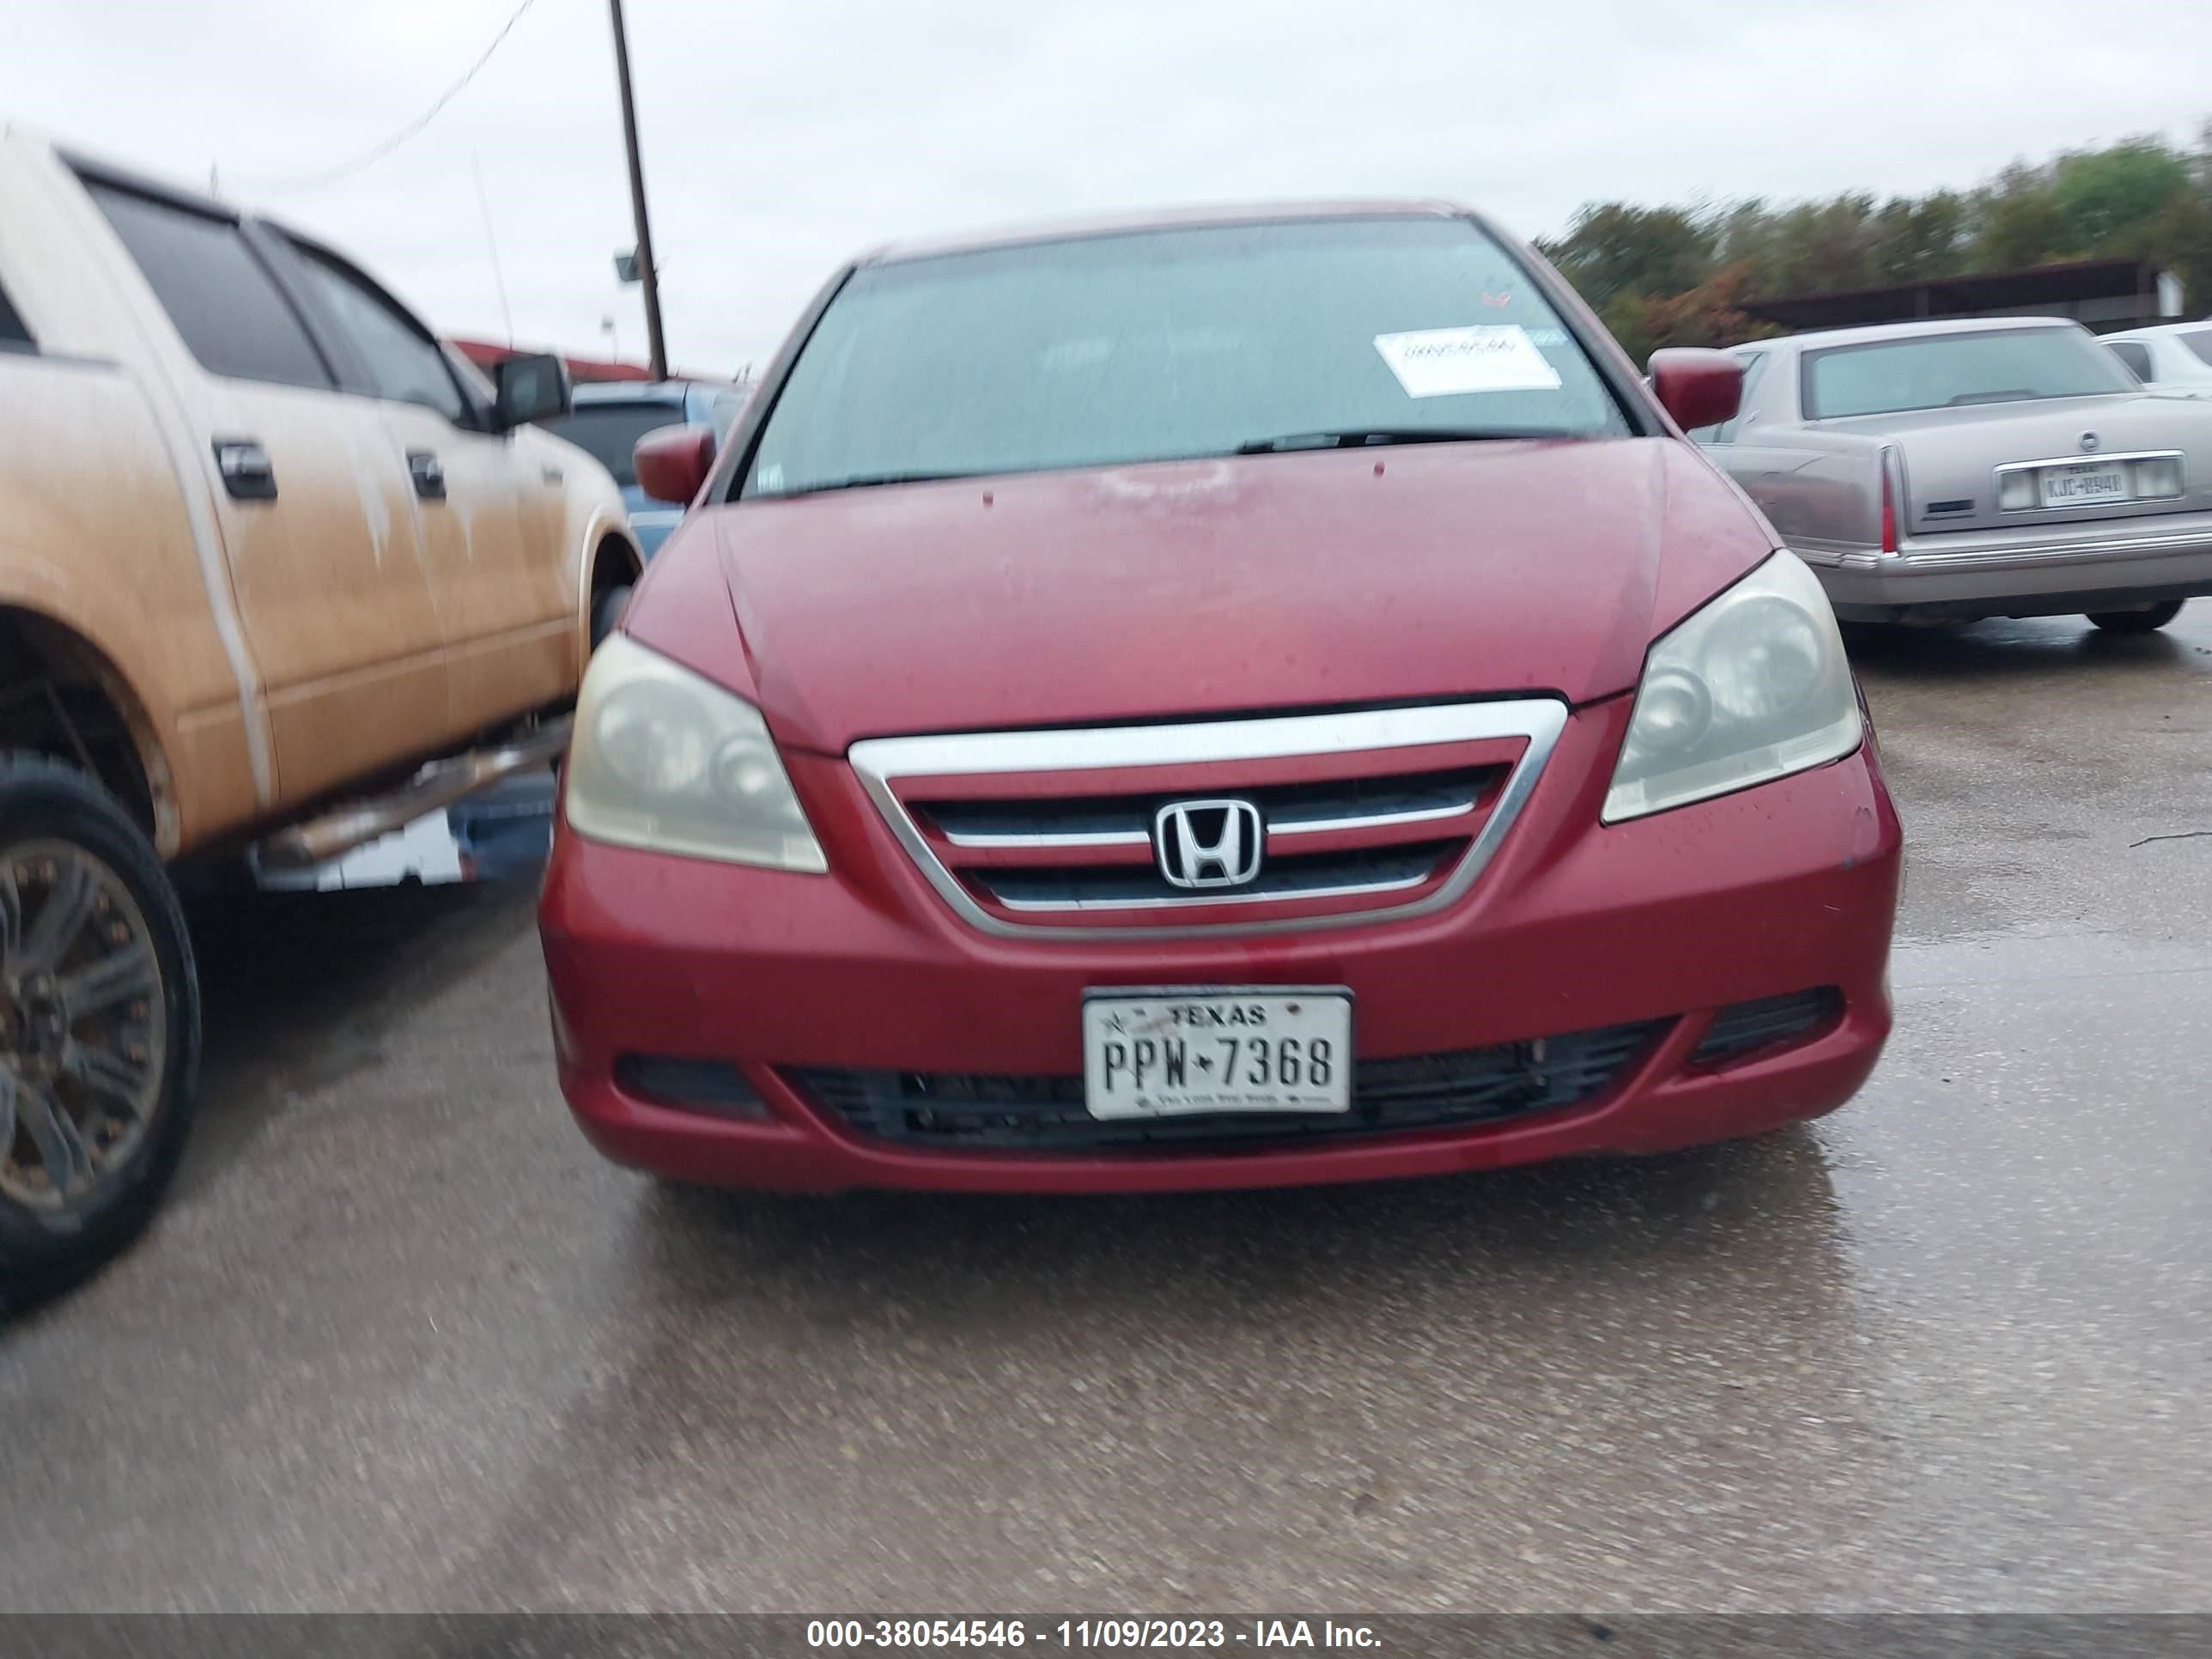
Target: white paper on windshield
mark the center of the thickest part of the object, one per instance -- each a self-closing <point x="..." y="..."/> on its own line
<point x="1443" y="363"/>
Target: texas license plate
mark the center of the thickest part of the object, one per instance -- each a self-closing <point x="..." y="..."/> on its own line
<point x="1175" y="1051"/>
<point x="2078" y="486"/>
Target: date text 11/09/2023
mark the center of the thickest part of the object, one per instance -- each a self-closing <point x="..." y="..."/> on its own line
<point x="1080" y="1633"/>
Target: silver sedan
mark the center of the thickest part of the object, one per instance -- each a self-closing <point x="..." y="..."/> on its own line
<point x="1948" y="470"/>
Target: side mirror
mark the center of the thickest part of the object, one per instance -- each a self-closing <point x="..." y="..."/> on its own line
<point x="673" y="462"/>
<point x="1696" y="386"/>
<point x="526" y="389"/>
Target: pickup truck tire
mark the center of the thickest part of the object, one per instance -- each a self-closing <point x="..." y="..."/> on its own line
<point x="2147" y="621"/>
<point x="100" y="1025"/>
<point x="606" y="612"/>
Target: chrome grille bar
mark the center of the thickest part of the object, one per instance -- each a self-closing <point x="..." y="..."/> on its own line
<point x="881" y="764"/>
<point x="1462" y="806"/>
<point x="1349" y="889"/>
<point x="1371" y="820"/>
<point x="1078" y="838"/>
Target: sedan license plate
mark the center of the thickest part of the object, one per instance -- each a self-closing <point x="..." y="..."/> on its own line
<point x="2079" y="486"/>
<point x="1179" y="1050"/>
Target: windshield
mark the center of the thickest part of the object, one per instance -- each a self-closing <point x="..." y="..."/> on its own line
<point x="1936" y="371"/>
<point x="1160" y="345"/>
<point x="610" y="432"/>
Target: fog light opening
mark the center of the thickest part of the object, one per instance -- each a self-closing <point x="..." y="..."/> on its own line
<point x="1767" y="1025"/>
<point x="713" y="1088"/>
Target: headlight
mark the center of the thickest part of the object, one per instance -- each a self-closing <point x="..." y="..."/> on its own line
<point x="1753" y="687"/>
<point x="667" y="761"/>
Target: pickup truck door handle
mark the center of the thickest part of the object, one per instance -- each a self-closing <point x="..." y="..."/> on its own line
<point x="428" y="473"/>
<point x="246" y="473"/>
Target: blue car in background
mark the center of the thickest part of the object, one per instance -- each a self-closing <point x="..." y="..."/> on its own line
<point x="610" y="417"/>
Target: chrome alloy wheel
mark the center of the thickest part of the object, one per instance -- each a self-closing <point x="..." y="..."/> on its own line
<point x="83" y="1024"/>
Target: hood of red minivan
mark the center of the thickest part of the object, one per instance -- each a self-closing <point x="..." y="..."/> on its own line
<point x="1264" y="583"/>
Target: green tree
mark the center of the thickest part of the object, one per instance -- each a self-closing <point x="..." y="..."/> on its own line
<point x="1918" y="241"/>
<point x="2181" y="242"/>
<point x="2140" y="198"/>
<point x="2108" y="201"/>
<point x="1749" y="234"/>
<point x="2020" y="223"/>
<point x="1709" y="315"/>
<point x="1624" y="319"/>
<point x="1611" y="249"/>
<point x="1826" y="244"/>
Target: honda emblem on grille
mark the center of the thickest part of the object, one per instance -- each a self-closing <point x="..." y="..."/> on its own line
<point x="1209" y="844"/>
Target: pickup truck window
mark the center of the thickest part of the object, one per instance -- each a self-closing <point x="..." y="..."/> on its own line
<point x="609" y="431"/>
<point x="403" y="364"/>
<point x="232" y="316"/>
<point x="12" y="331"/>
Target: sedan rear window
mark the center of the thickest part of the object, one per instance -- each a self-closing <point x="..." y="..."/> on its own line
<point x="610" y="432"/>
<point x="2200" y="342"/>
<point x="2136" y="355"/>
<point x="1941" y="371"/>
<point x="1174" y="344"/>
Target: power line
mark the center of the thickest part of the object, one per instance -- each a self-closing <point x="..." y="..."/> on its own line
<point x="499" y="276"/>
<point x="370" y="157"/>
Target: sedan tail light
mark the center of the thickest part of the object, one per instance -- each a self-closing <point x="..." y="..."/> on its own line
<point x="1889" y="500"/>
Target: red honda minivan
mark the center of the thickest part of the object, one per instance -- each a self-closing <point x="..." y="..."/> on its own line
<point x="1216" y="700"/>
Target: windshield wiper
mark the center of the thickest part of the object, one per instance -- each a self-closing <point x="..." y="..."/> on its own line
<point x="871" y="481"/>
<point x="1354" y="438"/>
<point x="1377" y="436"/>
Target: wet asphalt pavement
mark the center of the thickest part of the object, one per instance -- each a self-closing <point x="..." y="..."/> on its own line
<point x="401" y="1340"/>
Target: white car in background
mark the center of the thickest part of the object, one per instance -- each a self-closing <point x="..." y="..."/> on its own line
<point x="2171" y="357"/>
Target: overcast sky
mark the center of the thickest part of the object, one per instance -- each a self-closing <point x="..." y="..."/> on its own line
<point x="781" y="135"/>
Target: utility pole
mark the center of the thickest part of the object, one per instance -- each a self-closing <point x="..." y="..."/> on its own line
<point x="498" y="274"/>
<point x="647" y="276"/>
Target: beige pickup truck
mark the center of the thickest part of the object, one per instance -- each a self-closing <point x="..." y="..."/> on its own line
<point x="277" y="568"/>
